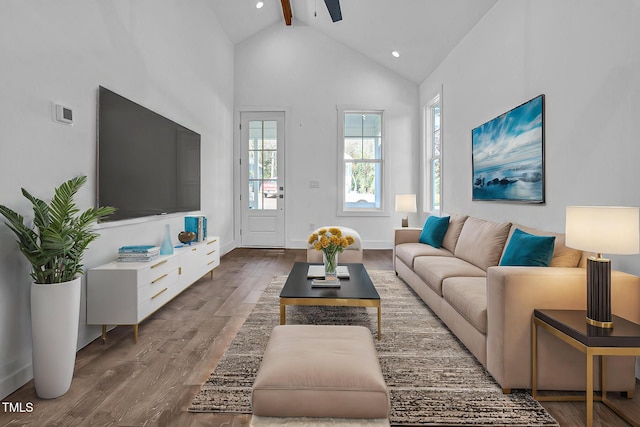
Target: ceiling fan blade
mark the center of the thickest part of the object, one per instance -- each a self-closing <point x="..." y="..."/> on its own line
<point x="333" y="6"/>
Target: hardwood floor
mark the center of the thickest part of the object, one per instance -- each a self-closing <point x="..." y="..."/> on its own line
<point x="151" y="383"/>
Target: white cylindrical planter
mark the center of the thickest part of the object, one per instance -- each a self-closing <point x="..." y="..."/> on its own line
<point x="55" y="313"/>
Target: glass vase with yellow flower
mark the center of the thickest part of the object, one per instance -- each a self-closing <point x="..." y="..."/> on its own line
<point x="331" y="242"/>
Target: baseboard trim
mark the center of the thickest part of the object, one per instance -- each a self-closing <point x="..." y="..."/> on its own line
<point x="16" y="374"/>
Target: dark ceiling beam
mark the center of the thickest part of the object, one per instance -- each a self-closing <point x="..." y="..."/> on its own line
<point x="333" y="6"/>
<point x="286" y="11"/>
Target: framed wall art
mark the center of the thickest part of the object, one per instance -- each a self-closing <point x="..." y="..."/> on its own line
<point x="508" y="155"/>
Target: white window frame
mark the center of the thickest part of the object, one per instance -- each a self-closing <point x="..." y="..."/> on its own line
<point x="342" y="209"/>
<point x="430" y="157"/>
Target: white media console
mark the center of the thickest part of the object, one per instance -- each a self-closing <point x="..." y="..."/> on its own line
<point x="126" y="293"/>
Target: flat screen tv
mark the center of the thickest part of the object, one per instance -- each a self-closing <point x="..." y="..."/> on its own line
<point x="147" y="164"/>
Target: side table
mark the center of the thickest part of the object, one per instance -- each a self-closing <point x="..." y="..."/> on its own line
<point x="571" y="327"/>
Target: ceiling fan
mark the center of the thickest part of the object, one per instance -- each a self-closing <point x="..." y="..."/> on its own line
<point x="333" y="6"/>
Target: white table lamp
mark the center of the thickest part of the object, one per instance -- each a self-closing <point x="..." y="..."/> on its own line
<point x="602" y="229"/>
<point x="406" y="203"/>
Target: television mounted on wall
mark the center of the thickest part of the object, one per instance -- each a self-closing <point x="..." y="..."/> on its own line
<point x="508" y="155"/>
<point x="147" y="164"/>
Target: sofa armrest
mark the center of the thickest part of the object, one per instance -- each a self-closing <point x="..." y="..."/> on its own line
<point x="406" y="235"/>
<point x="512" y="295"/>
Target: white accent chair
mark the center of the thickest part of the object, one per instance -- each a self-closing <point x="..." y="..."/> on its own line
<point x="351" y="254"/>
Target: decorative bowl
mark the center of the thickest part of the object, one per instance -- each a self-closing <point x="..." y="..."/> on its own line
<point x="186" y="236"/>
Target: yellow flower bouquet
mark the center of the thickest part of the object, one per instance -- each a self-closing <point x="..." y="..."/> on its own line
<point x="330" y="241"/>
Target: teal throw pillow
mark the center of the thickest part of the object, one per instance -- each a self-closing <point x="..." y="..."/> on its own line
<point x="528" y="250"/>
<point x="434" y="230"/>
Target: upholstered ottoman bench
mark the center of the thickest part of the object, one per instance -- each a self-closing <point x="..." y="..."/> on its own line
<point x="321" y="372"/>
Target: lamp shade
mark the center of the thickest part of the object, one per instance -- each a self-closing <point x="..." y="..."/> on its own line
<point x="406" y="203"/>
<point x="603" y="229"/>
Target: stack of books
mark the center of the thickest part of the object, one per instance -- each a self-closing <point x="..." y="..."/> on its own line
<point x="138" y="253"/>
<point x="196" y="224"/>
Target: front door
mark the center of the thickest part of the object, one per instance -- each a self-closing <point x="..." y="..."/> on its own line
<point x="262" y="197"/>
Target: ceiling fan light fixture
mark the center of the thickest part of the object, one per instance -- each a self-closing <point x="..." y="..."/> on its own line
<point x="395" y="54"/>
<point x="259" y="5"/>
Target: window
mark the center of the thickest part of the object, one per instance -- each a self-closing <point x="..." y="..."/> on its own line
<point x="361" y="146"/>
<point x="433" y="150"/>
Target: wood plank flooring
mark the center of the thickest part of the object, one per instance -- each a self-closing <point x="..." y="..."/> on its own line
<point x="151" y="383"/>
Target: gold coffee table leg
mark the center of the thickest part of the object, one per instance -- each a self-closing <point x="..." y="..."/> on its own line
<point x="379" y="324"/>
<point x="283" y="314"/>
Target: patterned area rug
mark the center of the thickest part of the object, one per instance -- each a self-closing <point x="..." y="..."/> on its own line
<point x="432" y="378"/>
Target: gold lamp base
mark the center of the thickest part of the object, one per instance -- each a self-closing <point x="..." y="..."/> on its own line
<point x="405" y="222"/>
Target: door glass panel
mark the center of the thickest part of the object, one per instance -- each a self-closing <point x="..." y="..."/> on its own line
<point x="263" y="161"/>
<point x="269" y="164"/>
<point x="253" y="165"/>
<point x="255" y="201"/>
<point x="270" y="130"/>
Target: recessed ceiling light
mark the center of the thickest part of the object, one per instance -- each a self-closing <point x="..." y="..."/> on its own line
<point x="259" y="5"/>
<point x="395" y="54"/>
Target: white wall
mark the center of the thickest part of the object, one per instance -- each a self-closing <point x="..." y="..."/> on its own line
<point x="309" y="74"/>
<point x="585" y="57"/>
<point x="172" y="59"/>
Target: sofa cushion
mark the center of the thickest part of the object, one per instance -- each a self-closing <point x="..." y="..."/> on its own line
<point x="528" y="250"/>
<point x="407" y="252"/>
<point x="453" y="232"/>
<point x="563" y="256"/>
<point x="434" y="269"/>
<point x="468" y="295"/>
<point x="481" y="242"/>
<point x="434" y="230"/>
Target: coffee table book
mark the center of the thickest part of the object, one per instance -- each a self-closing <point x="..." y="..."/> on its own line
<point x="317" y="271"/>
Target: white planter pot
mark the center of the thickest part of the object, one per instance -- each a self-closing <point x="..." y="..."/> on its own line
<point x="55" y="313"/>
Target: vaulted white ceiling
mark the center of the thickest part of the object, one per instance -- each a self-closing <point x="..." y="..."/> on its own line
<point x="422" y="31"/>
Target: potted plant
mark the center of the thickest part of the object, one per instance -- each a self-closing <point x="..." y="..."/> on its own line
<point x="54" y="246"/>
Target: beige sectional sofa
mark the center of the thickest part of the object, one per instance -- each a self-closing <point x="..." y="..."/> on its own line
<point x="489" y="307"/>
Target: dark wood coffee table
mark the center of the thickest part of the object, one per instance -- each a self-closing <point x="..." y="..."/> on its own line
<point x="356" y="291"/>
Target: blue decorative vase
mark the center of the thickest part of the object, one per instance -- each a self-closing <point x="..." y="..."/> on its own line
<point x="167" y="246"/>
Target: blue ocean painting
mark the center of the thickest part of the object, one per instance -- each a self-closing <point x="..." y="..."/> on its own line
<point x="508" y="155"/>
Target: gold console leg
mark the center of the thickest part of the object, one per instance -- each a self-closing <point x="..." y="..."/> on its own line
<point x="135" y="333"/>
